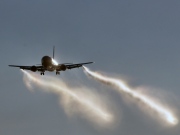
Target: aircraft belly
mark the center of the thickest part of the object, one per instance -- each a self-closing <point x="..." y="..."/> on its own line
<point x="51" y="69"/>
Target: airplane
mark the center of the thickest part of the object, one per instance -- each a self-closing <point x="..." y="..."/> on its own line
<point x="49" y="64"/>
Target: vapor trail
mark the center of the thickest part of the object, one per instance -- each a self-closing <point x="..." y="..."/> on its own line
<point x="121" y="86"/>
<point x="87" y="105"/>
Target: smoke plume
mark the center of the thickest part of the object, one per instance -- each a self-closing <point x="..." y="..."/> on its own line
<point x="76" y="100"/>
<point x="122" y="87"/>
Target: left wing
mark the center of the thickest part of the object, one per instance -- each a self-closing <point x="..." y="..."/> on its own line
<point x="27" y="67"/>
<point x="70" y="66"/>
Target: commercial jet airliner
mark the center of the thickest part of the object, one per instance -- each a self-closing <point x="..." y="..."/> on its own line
<point x="49" y="64"/>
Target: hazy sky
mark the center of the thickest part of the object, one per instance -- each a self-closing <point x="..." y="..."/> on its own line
<point x="138" y="39"/>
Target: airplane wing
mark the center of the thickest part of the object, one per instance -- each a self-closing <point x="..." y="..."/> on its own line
<point x="70" y="66"/>
<point x="39" y="68"/>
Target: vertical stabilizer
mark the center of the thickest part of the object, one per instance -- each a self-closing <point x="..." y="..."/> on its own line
<point x="53" y="51"/>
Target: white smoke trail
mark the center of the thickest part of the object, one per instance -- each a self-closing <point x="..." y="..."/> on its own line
<point x="87" y="104"/>
<point x="121" y="86"/>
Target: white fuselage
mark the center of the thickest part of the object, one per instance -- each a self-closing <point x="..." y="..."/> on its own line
<point x="47" y="63"/>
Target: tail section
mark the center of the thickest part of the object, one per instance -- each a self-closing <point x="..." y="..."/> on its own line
<point x="53" y="51"/>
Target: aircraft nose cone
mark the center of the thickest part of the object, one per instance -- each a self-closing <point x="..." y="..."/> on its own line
<point x="46" y="61"/>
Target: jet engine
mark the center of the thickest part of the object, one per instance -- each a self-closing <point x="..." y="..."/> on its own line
<point x="62" y="67"/>
<point x="34" y="68"/>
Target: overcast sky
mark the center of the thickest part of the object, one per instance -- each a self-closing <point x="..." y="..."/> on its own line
<point x="136" y="39"/>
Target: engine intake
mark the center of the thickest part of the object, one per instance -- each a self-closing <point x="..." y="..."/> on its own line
<point x="34" y="68"/>
<point x="63" y="67"/>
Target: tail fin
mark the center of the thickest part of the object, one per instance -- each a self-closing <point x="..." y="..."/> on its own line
<point x="53" y="51"/>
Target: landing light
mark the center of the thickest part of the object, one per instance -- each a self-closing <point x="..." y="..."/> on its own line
<point x="54" y="62"/>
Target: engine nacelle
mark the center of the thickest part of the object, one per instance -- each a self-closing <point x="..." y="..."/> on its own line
<point x="62" y="67"/>
<point x="34" y="68"/>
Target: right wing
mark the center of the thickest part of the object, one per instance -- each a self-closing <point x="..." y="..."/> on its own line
<point x="70" y="66"/>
